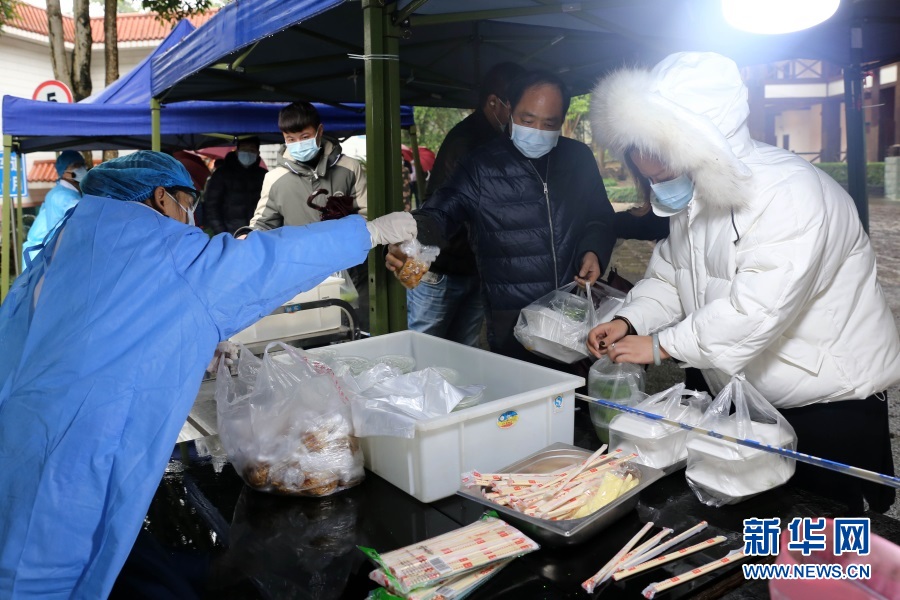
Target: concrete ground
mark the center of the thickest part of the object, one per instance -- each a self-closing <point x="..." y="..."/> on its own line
<point x="631" y="258"/>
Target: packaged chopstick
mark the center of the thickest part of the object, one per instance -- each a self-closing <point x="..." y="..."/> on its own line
<point x="447" y="556"/>
<point x="455" y="589"/>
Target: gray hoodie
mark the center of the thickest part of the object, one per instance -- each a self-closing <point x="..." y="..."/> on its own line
<point x="287" y="186"/>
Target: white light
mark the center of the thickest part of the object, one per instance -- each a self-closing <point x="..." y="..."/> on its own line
<point x="777" y="16"/>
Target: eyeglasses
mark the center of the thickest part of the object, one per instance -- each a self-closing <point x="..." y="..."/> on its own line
<point x="195" y="197"/>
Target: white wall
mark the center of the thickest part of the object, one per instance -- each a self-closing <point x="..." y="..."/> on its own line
<point x="26" y="63"/>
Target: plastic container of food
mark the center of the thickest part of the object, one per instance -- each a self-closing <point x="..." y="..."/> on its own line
<point x="356" y="364"/>
<point x="619" y="383"/>
<point x="406" y="364"/>
<point x="525" y="408"/>
<point x="739" y="472"/>
<point x="469" y="401"/>
<point x="570" y="531"/>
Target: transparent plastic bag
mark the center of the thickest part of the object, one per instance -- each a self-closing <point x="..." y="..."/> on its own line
<point x="659" y="445"/>
<point x="348" y="292"/>
<point x="556" y="326"/>
<point x="418" y="261"/>
<point x="723" y="472"/>
<point x="285" y="424"/>
<point x="392" y="405"/>
<point x="622" y="383"/>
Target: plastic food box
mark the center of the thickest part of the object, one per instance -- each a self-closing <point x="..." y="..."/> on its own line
<point x="292" y="325"/>
<point x="658" y="445"/>
<point x="525" y="408"/>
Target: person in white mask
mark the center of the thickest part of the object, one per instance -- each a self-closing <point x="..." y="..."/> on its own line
<point x="537" y="211"/>
<point x="767" y="270"/>
<point x="233" y="190"/>
<point x="58" y="201"/>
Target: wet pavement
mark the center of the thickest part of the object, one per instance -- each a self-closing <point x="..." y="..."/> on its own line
<point x="631" y="258"/>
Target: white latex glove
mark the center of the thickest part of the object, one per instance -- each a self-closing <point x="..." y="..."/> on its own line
<point x="227" y="351"/>
<point x="393" y="228"/>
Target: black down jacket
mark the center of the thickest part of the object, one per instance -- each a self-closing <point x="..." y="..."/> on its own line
<point x="231" y="194"/>
<point x="526" y="243"/>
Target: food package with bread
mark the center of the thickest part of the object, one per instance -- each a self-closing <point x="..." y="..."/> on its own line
<point x="418" y="261"/>
<point x="285" y="424"/>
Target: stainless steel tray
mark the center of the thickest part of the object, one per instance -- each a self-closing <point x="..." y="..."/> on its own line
<point x="570" y="531"/>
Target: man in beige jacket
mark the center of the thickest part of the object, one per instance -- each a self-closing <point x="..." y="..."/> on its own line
<point x="310" y="162"/>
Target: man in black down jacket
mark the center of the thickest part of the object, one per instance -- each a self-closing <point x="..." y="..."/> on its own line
<point x="536" y="207"/>
<point x="232" y="192"/>
<point x="447" y="303"/>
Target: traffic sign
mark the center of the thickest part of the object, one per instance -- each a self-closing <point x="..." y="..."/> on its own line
<point x="16" y="164"/>
<point x="53" y="91"/>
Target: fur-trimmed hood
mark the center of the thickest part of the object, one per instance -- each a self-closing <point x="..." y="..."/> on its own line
<point x="691" y="111"/>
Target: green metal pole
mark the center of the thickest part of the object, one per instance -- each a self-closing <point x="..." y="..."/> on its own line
<point x="20" y="215"/>
<point x="6" y="218"/>
<point x="396" y="291"/>
<point x="856" y="140"/>
<point x="417" y="163"/>
<point x="376" y="161"/>
<point x="155" y="129"/>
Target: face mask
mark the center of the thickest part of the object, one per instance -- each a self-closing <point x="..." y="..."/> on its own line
<point x="671" y="197"/>
<point x="189" y="211"/>
<point x="248" y="159"/>
<point x="499" y="122"/>
<point x="533" y="143"/>
<point x="304" y="150"/>
<point x="78" y="174"/>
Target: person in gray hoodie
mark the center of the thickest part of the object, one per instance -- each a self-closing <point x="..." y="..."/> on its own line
<point x="310" y="162"/>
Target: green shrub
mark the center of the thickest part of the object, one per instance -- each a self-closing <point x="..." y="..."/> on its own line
<point x="623" y="194"/>
<point x="875" y="174"/>
<point x="838" y="172"/>
<point x="609" y="182"/>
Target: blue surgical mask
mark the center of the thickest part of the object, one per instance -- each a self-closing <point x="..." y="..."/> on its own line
<point x="533" y="143"/>
<point x="304" y="150"/>
<point x="671" y="197"/>
<point x="189" y="211"/>
<point x="248" y="159"/>
<point x="78" y="174"/>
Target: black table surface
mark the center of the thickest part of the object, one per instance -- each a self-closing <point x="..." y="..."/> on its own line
<point x="254" y="545"/>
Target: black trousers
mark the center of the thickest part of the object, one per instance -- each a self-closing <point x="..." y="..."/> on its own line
<point x="854" y="432"/>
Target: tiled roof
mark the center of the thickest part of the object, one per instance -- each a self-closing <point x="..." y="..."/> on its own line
<point x="133" y="27"/>
<point x="44" y="171"/>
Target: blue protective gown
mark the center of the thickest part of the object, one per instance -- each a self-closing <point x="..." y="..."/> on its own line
<point x="56" y="204"/>
<point x="98" y="376"/>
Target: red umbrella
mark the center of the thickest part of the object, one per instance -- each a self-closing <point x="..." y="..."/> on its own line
<point x="426" y="156"/>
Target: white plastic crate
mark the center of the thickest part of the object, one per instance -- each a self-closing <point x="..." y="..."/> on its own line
<point x="525" y="409"/>
<point x="292" y="325"/>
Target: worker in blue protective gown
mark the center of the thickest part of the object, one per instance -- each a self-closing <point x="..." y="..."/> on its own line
<point x="103" y="345"/>
<point x="63" y="196"/>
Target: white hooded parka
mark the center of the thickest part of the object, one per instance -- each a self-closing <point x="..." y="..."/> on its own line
<point x="768" y="271"/>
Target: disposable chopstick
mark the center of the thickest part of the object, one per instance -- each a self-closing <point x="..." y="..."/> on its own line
<point x="846" y="469"/>
<point x="602" y="575"/>
<point x="589" y="461"/>
<point x="652" y="564"/>
<point x="654" y="552"/>
<point x="645" y="547"/>
<point x="654" y="588"/>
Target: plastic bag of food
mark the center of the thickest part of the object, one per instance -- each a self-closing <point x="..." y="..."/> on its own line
<point x="556" y="326"/>
<point x="286" y="426"/>
<point x="659" y="445"/>
<point x="723" y="472"/>
<point x="348" y="292"/>
<point x="622" y="383"/>
<point x="418" y="261"/>
<point x="392" y="405"/>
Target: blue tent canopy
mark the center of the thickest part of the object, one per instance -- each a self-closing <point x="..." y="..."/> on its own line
<point x="119" y="116"/>
<point x="267" y="50"/>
